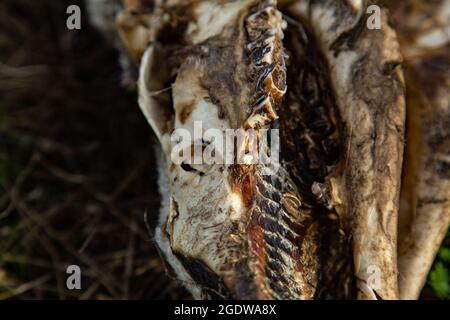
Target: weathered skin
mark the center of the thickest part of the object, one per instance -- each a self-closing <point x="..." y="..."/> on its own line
<point x="424" y="29"/>
<point x="326" y="220"/>
<point x="370" y="98"/>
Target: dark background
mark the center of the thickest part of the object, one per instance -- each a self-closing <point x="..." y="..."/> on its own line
<point x="76" y="164"/>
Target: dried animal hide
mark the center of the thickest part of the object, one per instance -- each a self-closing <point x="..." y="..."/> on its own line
<point x="323" y="224"/>
<point x="424" y="32"/>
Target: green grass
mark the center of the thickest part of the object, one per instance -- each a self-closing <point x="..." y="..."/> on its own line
<point x="439" y="277"/>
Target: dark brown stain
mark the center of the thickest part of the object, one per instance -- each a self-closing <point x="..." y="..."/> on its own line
<point x="186" y="111"/>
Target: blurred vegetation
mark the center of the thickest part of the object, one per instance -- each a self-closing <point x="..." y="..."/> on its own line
<point x="76" y="164"/>
<point x="439" y="277"/>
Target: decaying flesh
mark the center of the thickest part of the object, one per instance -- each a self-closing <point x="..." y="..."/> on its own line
<point x="369" y="96"/>
<point x="326" y="220"/>
<point x="315" y="228"/>
<point x="424" y="32"/>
